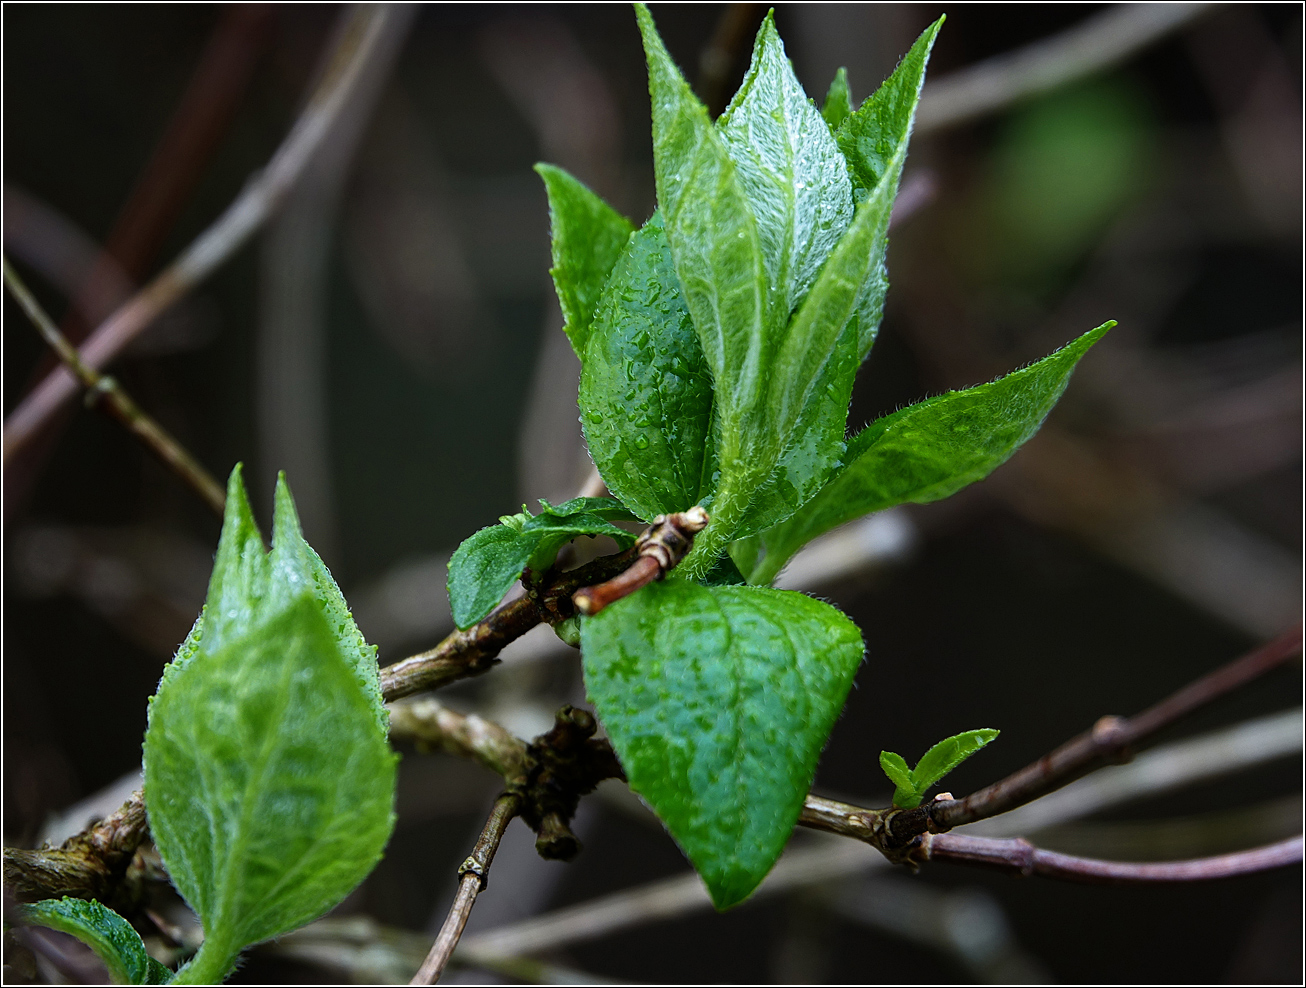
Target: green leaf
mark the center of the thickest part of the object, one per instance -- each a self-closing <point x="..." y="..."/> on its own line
<point x="874" y="141"/>
<point x="873" y="137"/>
<point x="645" y="388"/>
<point x="899" y="773"/>
<point x="718" y="259"/>
<point x="111" y="937"/>
<point x="718" y="701"/>
<point x="791" y="171"/>
<point x="269" y="779"/>
<point x="483" y="569"/>
<point x="781" y="386"/>
<point x="928" y="451"/>
<point x="588" y="237"/>
<point x="947" y="755"/>
<point x="490" y="561"/>
<point x="838" y="100"/>
<point x="912" y="785"/>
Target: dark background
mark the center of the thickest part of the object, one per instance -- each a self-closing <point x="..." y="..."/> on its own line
<point x="1150" y="534"/>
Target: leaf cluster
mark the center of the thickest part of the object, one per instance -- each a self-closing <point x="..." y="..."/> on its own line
<point x="719" y="341"/>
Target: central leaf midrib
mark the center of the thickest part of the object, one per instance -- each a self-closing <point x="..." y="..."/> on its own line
<point x="260" y="764"/>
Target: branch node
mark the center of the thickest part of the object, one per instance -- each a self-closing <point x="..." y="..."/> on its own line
<point x="471" y="866"/>
<point x="660" y="548"/>
<point x="102" y="386"/>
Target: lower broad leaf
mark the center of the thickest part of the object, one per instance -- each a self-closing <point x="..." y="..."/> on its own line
<point x="269" y="779"/>
<point x="270" y="789"/>
<point x="718" y="701"/>
<point x="112" y="938"/>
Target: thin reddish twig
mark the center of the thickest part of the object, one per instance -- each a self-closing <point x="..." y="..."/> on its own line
<point x="105" y="391"/>
<point x="1018" y="856"/>
<point x="660" y="548"/>
<point x="1109" y="740"/>
<point x="367" y="28"/>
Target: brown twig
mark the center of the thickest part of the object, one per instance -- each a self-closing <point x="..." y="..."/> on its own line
<point x="468" y="653"/>
<point x="260" y="198"/>
<point x="105" y="391"/>
<point x="550" y="773"/>
<point x="473" y="877"/>
<point x="1018" y="856"/>
<point x="471" y="652"/>
<point x="566" y="763"/>
<point x="660" y="548"/>
<point x="1109" y="740"/>
<point x="1158" y="770"/>
<point x="431" y="724"/>
<point x="90" y="865"/>
<point x="899" y="833"/>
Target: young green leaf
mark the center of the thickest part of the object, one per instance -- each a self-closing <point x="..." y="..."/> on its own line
<point x="928" y="451"/>
<point x="898" y="771"/>
<point x="874" y="141"/>
<point x="269" y="780"/>
<point x="777" y="455"/>
<point x="718" y="701"/>
<point x="645" y="389"/>
<point x="838" y="103"/>
<point x="872" y="137"/>
<point x="791" y="171"/>
<point x="489" y="562"/>
<point x="912" y="785"/>
<point x="112" y="938"/>
<point x="588" y="237"/>
<point x="718" y="258"/>
<point x="947" y="755"/>
<point x="482" y="569"/>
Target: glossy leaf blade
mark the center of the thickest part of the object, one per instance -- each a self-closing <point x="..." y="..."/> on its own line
<point x="929" y="450"/>
<point x="112" y="938"/>
<point x="482" y="569"/>
<point x="718" y="701"/>
<point x="645" y="388"/>
<point x="791" y="171"/>
<point x="718" y="258"/>
<point x="486" y="565"/>
<point x="262" y="824"/>
<point x="710" y="227"/>
<point x="588" y="237"/>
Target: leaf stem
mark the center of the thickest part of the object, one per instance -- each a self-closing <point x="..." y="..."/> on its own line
<point x="476" y="650"/>
<point x="108" y="393"/>
<point x="211" y="965"/>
